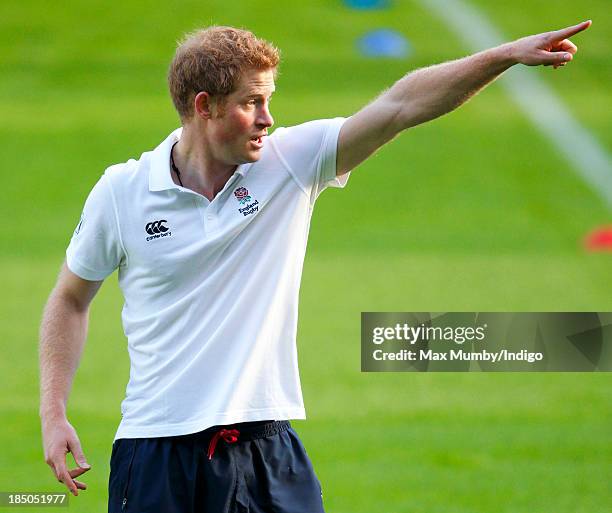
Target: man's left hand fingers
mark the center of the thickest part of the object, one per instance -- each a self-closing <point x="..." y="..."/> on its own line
<point x="553" y="58"/>
<point x="566" y="46"/>
<point x="559" y="35"/>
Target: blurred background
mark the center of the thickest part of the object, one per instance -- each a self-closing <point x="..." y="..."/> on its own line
<point x="476" y="211"/>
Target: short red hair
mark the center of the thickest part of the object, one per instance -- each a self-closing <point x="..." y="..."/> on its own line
<point x="212" y="60"/>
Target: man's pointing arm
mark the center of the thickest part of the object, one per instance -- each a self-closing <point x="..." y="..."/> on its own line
<point x="430" y="92"/>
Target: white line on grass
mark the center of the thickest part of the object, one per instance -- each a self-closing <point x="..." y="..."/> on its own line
<point x="537" y="100"/>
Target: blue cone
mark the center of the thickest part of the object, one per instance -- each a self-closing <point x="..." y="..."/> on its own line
<point x="384" y="43"/>
<point x="367" y="4"/>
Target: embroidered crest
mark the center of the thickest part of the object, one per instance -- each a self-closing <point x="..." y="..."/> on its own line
<point x="242" y="195"/>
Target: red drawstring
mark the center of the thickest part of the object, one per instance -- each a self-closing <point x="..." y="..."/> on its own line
<point x="229" y="435"/>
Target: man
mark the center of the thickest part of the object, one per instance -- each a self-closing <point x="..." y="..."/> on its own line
<point x="209" y="232"/>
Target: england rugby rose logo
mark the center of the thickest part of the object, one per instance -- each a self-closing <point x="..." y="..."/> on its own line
<point x="242" y="195"/>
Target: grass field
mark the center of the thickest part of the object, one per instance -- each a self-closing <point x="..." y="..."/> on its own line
<point x="474" y="211"/>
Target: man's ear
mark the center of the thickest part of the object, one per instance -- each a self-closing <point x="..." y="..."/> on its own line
<point x="203" y="105"/>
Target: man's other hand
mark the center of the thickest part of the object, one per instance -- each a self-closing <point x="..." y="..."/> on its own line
<point x="59" y="439"/>
<point x="548" y="49"/>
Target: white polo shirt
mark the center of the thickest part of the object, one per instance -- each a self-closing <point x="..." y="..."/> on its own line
<point x="211" y="287"/>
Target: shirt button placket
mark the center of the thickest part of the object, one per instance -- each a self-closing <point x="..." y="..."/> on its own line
<point x="211" y="220"/>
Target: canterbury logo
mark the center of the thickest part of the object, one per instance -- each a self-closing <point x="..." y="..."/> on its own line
<point x="156" y="227"/>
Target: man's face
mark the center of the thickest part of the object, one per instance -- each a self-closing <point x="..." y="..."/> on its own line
<point x="238" y="130"/>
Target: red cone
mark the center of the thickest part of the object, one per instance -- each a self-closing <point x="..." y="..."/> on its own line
<point x="599" y="239"/>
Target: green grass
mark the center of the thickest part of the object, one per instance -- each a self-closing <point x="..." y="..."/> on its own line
<point x="396" y="442"/>
<point x="474" y="211"/>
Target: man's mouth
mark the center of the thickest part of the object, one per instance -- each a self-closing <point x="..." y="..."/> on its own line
<point x="257" y="140"/>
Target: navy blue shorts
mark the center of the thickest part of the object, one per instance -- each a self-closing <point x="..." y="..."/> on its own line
<point x="255" y="467"/>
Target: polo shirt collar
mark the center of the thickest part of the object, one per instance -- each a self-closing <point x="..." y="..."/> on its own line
<point x="160" y="178"/>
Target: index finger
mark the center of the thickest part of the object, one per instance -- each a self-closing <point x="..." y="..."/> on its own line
<point x="570" y="31"/>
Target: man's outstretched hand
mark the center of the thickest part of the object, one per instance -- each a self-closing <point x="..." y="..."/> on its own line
<point x="548" y="49"/>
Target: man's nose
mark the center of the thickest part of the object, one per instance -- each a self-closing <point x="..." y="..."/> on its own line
<point x="265" y="119"/>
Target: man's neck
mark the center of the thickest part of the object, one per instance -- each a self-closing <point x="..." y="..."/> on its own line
<point x="199" y="170"/>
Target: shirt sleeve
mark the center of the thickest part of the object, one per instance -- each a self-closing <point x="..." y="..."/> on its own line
<point x="95" y="249"/>
<point x="309" y="151"/>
